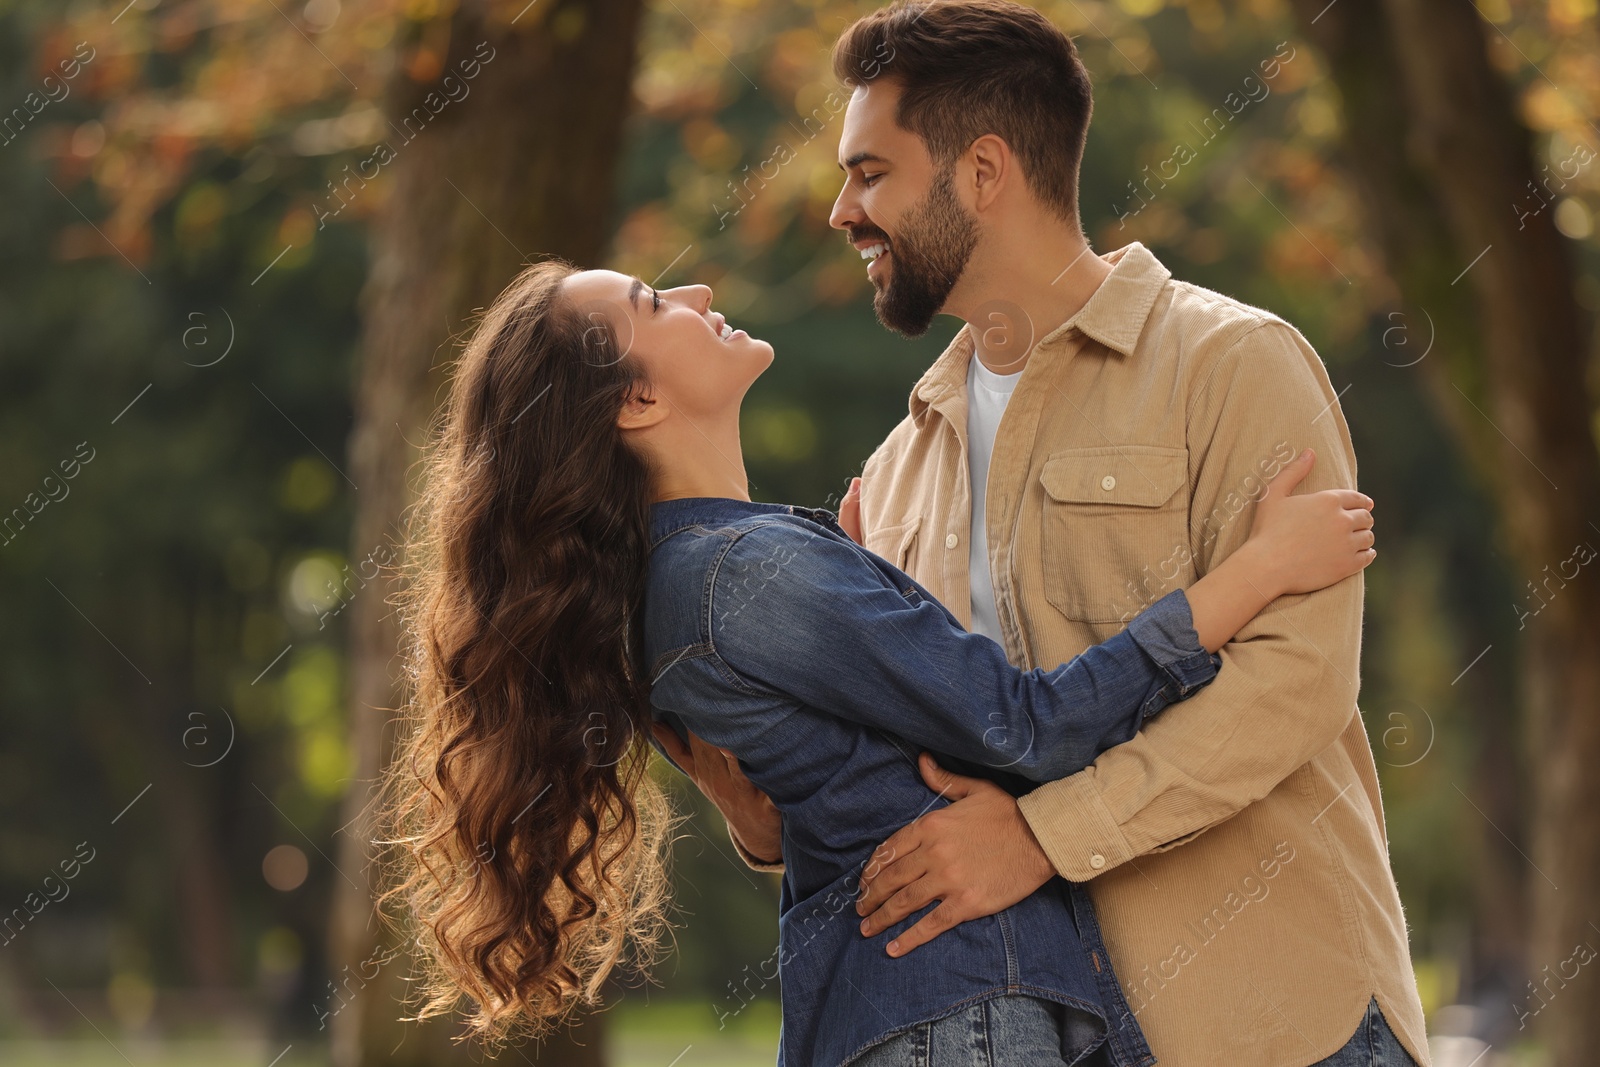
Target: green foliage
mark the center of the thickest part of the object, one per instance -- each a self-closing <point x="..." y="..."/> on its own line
<point x="149" y="603"/>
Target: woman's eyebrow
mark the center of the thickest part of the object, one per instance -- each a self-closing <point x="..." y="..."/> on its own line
<point x="633" y="293"/>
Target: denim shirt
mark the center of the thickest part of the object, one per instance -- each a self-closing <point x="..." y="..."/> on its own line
<point x="826" y="669"/>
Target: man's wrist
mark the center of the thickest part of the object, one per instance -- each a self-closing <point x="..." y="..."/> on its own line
<point x="1076" y="829"/>
<point x="1039" y="868"/>
<point x="750" y="854"/>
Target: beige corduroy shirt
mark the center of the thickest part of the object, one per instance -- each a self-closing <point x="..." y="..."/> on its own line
<point x="1235" y="849"/>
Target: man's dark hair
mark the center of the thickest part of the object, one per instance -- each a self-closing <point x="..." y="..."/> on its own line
<point x="967" y="68"/>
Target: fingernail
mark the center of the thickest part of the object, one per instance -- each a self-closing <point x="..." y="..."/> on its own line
<point x="866" y="929"/>
<point x="894" y="948"/>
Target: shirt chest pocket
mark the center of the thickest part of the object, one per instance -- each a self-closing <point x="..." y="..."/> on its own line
<point x="898" y="545"/>
<point x="1114" y="529"/>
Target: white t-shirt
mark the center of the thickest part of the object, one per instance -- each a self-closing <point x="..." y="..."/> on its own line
<point x="987" y="396"/>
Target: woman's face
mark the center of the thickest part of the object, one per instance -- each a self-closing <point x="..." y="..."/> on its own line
<point x="695" y="362"/>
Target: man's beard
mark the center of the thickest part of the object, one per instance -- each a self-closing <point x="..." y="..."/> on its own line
<point x="936" y="240"/>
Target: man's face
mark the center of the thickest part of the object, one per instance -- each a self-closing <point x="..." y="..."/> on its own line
<point x="897" y="202"/>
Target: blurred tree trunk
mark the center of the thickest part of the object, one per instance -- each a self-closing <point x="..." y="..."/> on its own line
<point x="1448" y="174"/>
<point x="520" y="168"/>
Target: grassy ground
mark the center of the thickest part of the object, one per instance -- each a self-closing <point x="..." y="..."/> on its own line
<point x="661" y="1035"/>
<point x="627" y="1051"/>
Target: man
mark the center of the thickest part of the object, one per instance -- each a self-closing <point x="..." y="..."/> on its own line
<point x="1235" y="849"/>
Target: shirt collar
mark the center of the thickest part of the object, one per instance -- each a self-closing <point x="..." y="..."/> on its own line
<point x="667" y="517"/>
<point x="1114" y="315"/>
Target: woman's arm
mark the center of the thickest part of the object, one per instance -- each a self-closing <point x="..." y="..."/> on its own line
<point x="1297" y="544"/>
<point x="802" y="614"/>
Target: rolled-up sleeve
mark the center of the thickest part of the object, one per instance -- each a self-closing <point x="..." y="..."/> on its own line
<point x="1293" y="672"/>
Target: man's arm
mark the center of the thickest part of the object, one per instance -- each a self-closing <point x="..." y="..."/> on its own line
<point x="1292" y="673"/>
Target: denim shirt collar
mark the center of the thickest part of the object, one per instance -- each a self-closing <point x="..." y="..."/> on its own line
<point x="667" y="517"/>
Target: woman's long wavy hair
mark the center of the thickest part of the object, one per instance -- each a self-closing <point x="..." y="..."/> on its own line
<point x="528" y="837"/>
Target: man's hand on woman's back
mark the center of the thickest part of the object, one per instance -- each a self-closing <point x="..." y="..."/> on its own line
<point x="976" y="857"/>
<point x="753" y="820"/>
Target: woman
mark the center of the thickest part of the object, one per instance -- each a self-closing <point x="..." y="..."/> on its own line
<point x="589" y="548"/>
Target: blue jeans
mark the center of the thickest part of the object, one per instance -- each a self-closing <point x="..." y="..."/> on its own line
<point x="1025" y="1031"/>
<point x="1374" y="1045"/>
<point x="1005" y="1031"/>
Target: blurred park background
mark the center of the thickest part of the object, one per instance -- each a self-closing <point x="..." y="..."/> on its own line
<point x="241" y="240"/>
